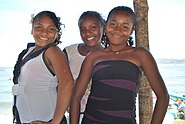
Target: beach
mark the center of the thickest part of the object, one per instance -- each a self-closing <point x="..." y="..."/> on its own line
<point x="8" y="119"/>
<point x="173" y="75"/>
<point x="177" y="121"/>
<point x="170" y="120"/>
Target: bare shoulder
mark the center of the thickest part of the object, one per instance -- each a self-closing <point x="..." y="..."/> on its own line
<point x="144" y="55"/>
<point x="141" y="51"/>
<point x="54" y="51"/>
<point x="55" y="55"/>
<point x="93" y="56"/>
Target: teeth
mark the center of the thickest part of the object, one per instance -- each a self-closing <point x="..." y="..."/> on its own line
<point x="43" y="38"/>
<point x="117" y="36"/>
<point x="90" y="38"/>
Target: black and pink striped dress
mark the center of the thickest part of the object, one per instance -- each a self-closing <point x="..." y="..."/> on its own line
<point x="113" y="93"/>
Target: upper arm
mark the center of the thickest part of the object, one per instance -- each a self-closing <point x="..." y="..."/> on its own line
<point x="65" y="52"/>
<point x="152" y="73"/>
<point x="58" y="62"/>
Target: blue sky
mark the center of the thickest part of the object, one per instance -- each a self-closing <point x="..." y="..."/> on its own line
<point x="166" y="24"/>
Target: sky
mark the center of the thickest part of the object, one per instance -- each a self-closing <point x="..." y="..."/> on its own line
<point x="166" y="24"/>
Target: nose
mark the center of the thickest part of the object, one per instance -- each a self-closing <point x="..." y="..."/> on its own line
<point x="88" y="31"/>
<point x="44" y="31"/>
<point x="118" y="27"/>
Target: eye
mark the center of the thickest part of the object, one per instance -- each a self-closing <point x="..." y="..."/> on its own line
<point x="51" y="30"/>
<point x="125" y="27"/>
<point x="93" y="27"/>
<point x="112" y="24"/>
<point x="38" y="28"/>
<point x="82" y="30"/>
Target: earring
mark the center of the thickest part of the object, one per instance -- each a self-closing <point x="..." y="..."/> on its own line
<point x="130" y="41"/>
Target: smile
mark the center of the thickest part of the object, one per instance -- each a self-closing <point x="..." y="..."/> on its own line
<point x="42" y="38"/>
<point x="90" y="38"/>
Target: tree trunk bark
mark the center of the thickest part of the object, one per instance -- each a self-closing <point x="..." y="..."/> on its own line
<point x="141" y="36"/>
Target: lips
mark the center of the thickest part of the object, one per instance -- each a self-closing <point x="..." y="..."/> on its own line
<point x="116" y="35"/>
<point x="42" y="38"/>
<point x="90" y="38"/>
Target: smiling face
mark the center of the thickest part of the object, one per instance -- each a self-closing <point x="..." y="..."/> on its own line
<point x="44" y="31"/>
<point x="119" y="27"/>
<point x="90" y="30"/>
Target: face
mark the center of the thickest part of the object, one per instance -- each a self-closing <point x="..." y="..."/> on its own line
<point x="44" y="31"/>
<point x="90" y="31"/>
<point x="119" y="27"/>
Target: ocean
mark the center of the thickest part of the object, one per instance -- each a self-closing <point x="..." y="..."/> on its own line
<point x="6" y="97"/>
<point x="174" y="78"/>
<point x="173" y="75"/>
<point x="6" y="83"/>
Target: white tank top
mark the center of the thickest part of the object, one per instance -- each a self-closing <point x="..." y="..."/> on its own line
<point x="75" y="62"/>
<point x="75" y="59"/>
<point x="36" y="99"/>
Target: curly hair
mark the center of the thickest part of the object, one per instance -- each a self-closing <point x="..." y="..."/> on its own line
<point x="54" y="18"/>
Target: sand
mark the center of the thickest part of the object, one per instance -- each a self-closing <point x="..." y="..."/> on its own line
<point x="7" y="119"/>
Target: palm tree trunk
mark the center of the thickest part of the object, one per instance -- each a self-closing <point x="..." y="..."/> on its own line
<point x="141" y="34"/>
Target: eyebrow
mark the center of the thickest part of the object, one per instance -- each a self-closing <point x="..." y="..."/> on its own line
<point x="113" y="20"/>
<point x="42" y="24"/>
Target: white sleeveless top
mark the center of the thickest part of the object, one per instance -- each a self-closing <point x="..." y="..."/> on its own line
<point x="75" y="61"/>
<point x="36" y="99"/>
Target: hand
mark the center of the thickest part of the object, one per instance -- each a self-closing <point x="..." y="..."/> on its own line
<point x="40" y="122"/>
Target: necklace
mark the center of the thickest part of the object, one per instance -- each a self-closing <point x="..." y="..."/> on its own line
<point x="117" y="51"/>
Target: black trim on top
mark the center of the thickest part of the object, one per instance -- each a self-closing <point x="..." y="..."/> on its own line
<point x="45" y="62"/>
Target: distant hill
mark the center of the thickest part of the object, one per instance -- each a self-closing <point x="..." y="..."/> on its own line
<point x="170" y="61"/>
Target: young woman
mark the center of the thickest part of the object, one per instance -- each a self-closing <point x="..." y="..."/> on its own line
<point x="91" y="25"/>
<point x="115" y="73"/>
<point x="44" y="79"/>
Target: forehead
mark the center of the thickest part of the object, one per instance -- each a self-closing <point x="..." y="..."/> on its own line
<point x="120" y="14"/>
<point x="43" y="19"/>
<point x="88" y="19"/>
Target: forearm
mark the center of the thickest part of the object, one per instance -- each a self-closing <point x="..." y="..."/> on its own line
<point x="63" y="101"/>
<point x="74" y="112"/>
<point x="160" y="110"/>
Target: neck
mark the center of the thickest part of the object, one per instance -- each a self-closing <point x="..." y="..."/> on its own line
<point x="84" y="49"/>
<point x="117" y="51"/>
<point x="93" y="48"/>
